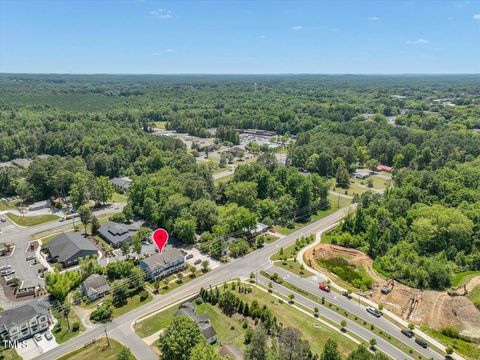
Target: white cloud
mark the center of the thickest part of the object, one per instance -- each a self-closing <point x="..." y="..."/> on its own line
<point x="170" y="50"/>
<point x="416" y="42"/>
<point x="476" y="17"/>
<point x="263" y="36"/>
<point x="333" y="29"/>
<point x="297" y="27"/>
<point x="162" y="13"/>
<point x="155" y="54"/>
<point x="373" y="18"/>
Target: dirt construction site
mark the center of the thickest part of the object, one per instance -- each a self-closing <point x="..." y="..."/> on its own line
<point x="436" y="309"/>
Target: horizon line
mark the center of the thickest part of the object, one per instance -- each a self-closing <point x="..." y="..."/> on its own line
<point x="240" y="74"/>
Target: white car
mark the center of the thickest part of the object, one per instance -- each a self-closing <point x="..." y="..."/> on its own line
<point x="37" y="337"/>
<point x="5" y="267"/>
<point x="7" y="272"/>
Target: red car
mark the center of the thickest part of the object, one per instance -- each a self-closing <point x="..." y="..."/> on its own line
<point x="324" y="287"/>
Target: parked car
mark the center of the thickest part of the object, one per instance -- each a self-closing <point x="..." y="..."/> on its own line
<point x="346" y="294"/>
<point x="2" y="219"/>
<point x="48" y="335"/>
<point x="30" y="257"/>
<point x="189" y="256"/>
<point x="196" y="262"/>
<point x="37" y="337"/>
<point x="407" y="333"/>
<point x="374" y="311"/>
<point x="7" y="272"/>
<point x="5" y="267"/>
<point x="422" y="343"/>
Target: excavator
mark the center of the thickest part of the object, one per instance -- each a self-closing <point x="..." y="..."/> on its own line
<point x="455" y="292"/>
<point x="388" y="287"/>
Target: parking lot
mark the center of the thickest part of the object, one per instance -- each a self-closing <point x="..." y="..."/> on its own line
<point x="26" y="271"/>
<point x="198" y="256"/>
<point x="34" y="348"/>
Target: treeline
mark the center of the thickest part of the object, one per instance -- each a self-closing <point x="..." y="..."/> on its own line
<point x="424" y="229"/>
<point x="367" y="143"/>
<point x="189" y="204"/>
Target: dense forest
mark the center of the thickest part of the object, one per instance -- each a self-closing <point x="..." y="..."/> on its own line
<point x="421" y="231"/>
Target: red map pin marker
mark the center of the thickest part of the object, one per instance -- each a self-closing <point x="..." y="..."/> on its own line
<point x="160" y="236"/>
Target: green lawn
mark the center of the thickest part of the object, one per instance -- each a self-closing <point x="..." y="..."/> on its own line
<point x="65" y="333"/>
<point x="99" y="349"/>
<point x="292" y="250"/>
<point x="224" y="179"/>
<point x="474" y="295"/>
<point x="6" y="205"/>
<point x="31" y="220"/>
<point x="160" y="124"/>
<point x="118" y="198"/>
<point x="132" y="303"/>
<point x="9" y="354"/>
<point x="463" y="277"/>
<point x="229" y="330"/>
<point x="294" y="267"/>
<point x="156" y="322"/>
<point x="466" y="349"/>
<point x="290" y="317"/>
<point x="46" y="239"/>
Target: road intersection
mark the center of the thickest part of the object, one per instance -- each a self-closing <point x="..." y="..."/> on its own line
<point x="121" y="328"/>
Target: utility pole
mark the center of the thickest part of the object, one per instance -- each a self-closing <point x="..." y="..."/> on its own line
<point x="106" y="335"/>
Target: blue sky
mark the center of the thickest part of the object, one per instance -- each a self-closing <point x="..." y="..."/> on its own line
<point x="184" y="37"/>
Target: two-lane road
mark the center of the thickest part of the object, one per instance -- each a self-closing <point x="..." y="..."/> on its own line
<point x="354" y="308"/>
<point x="120" y="328"/>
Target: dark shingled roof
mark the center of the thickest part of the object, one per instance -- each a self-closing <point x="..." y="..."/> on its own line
<point x="22" y="313"/>
<point x="66" y="245"/>
<point x="115" y="233"/>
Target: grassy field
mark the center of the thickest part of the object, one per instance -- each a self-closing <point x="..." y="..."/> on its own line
<point x="31" y="220"/>
<point x="467" y="349"/>
<point x="463" y="277"/>
<point x="294" y="267"/>
<point x="132" y="303"/>
<point x="160" y="124"/>
<point x="99" y="349"/>
<point x="292" y="250"/>
<point x="156" y="322"/>
<point x="6" y="205"/>
<point x="229" y="330"/>
<point x="317" y="336"/>
<point x="65" y="333"/>
<point x="8" y="354"/>
<point x="118" y="198"/>
<point x="354" y="275"/>
<point x="474" y="295"/>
